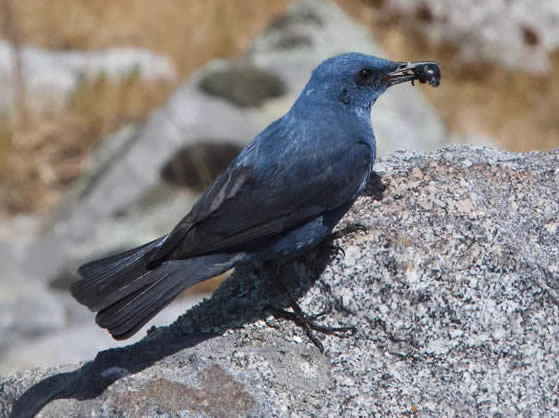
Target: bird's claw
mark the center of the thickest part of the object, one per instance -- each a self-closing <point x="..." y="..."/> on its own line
<point x="333" y="249"/>
<point x="320" y="314"/>
<point x="309" y="325"/>
<point x="350" y="229"/>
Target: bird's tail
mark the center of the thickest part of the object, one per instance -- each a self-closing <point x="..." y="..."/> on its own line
<point x="127" y="295"/>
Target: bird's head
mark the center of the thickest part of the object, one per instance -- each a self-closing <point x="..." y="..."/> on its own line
<point x="357" y="80"/>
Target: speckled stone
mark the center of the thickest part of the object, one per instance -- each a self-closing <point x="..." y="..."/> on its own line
<point x="453" y="290"/>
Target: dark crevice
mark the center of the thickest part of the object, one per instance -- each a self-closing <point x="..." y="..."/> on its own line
<point x="196" y="166"/>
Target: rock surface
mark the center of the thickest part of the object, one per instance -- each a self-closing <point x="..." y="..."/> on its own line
<point x="51" y="76"/>
<point x="453" y="290"/>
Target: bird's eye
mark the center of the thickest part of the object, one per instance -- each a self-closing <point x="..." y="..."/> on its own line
<point x="365" y="74"/>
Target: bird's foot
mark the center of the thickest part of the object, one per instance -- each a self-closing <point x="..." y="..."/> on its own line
<point x="308" y="323"/>
<point x="332" y="249"/>
<point x="350" y="229"/>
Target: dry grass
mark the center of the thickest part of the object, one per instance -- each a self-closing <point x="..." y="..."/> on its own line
<point x="43" y="156"/>
<point x="189" y="31"/>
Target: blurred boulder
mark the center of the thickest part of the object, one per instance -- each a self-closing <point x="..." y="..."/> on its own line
<point x="243" y="85"/>
<point x="27" y="311"/>
<point x="452" y="290"/>
<point x="61" y="341"/>
<point x="51" y="76"/>
<point x="519" y="34"/>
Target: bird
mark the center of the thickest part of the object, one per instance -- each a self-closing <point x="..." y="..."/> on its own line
<point x="280" y="197"/>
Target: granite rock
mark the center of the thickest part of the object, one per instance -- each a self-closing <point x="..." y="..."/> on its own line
<point x="452" y="289"/>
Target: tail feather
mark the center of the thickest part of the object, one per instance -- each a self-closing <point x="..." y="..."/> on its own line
<point x="129" y="314"/>
<point x="127" y="295"/>
<point x="108" y="266"/>
<point x="109" y="279"/>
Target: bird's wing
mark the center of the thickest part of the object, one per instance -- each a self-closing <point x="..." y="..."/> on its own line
<point x="246" y="204"/>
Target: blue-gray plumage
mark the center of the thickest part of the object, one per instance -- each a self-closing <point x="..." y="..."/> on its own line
<point x="281" y="196"/>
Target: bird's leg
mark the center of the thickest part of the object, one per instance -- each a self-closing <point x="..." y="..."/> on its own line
<point x="307" y="322"/>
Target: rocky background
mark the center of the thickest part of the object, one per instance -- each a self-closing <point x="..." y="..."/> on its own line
<point x="114" y="123"/>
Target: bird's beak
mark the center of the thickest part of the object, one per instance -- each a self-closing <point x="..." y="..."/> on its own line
<point x="410" y="71"/>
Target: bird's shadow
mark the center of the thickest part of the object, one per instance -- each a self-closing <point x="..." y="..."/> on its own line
<point x="245" y="297"/>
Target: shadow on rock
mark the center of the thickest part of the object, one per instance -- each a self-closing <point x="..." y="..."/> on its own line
<point x="243" y="298"/>
<point x="375" y="187"/>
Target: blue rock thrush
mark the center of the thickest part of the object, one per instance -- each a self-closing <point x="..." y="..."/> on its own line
<point x="280" y="197"/>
